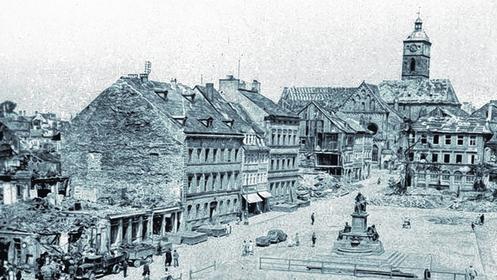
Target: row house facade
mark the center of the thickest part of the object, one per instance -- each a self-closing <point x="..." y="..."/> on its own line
<point x="281" y="134"/>
<point x="254" y="195"/>
<point x="161" y="147"/>
<point x="448" y="151"/>
<point x="335" y="144"/>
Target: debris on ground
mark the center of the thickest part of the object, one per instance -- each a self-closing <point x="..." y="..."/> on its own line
<point x="430" y="198"/>
<point x="323" y="185"/>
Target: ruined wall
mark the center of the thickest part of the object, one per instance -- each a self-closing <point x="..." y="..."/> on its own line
<point x="120" y="141"/>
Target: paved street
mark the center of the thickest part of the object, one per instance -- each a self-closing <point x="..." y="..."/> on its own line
<point x="447" y="247"/>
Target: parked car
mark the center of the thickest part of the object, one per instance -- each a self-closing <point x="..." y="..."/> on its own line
<point x="99" y="265"/>
<point x="273" y="236"/>
<point x="137" y="254"/>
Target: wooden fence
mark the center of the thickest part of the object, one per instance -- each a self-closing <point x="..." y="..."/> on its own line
<point x="356" y="270"/>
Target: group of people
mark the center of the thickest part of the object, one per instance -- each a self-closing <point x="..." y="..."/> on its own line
<point x="170" y="258"/>
<point x="8" y="271"/>
<point x="247" y="248"/>
<point x="54" y="267"/>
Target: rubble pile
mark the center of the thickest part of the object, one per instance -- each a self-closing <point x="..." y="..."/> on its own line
<point x="429" y="198"/>
<point x="321" y="185"/>
<point x="39" y="216"/>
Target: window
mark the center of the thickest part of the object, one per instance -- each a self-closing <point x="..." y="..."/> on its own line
<point x="229" y="155"/>
<point x="423" y="156"/>
<point x="446" y="176"/>
<point x="214" y="155"/>
<point x="222" y="181"/>
<point x="424" y="139"/>
<point x="472" y="159"/>
<point x="446" y="158"/>
<point x="412" y="65"/>
<point x="190" y="179"/>
<point x="447" y="139"/>
<point x="472" y="140"/>
<point x="460" y="140"/>
<point x="190" y="152"/>
<point x="469" y="179"/>
<point x="236" y="154"/>
<point x="188" y="210"/>
<point x="19" y="192"/>
<point x="207" y="154"/>
<point x="458" y="158"/>
<point x="433" y="176"/>
<point x="436" y="139"/>
<point x="457" y="177"/>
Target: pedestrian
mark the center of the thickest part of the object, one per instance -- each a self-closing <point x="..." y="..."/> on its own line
<point x="251" y="248"/>
<point x="175" y="259"/>
<point x="167" y="276"/>
<point x="379" y="180"/>
<point x="312" y="218"/>
<point x="482" y="219"/>
<point x="313" y="238"/>
<point x="169" y="257"/>
<point x="427" y="274"/>
<point x="146" y="269"/>
<point x="297" y="239"/>
<point x="472" y="226"/>
<point x="470" y="273"/>
<point x="244" y="248"/>
<point x="125" y="268"/>
<point x="229" y="229"/>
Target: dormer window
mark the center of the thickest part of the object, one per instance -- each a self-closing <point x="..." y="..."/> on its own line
<point x="207" y="122"/>
<point x="229" y="122"/>
<point x="162" y="93"/>
<point x="180" y="119"/>
<point x="190" y="97"/>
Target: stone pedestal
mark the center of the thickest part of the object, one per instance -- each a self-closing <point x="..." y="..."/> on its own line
<point x="358" y="241"/>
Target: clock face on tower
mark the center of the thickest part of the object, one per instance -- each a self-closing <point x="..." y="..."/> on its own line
<point x="413" y="48"/>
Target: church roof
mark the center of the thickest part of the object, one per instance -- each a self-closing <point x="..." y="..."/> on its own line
<point x="422" y="91"/>
<point x="296" y="98"/>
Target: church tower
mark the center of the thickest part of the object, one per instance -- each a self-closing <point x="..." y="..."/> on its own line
<point x="416" y="54"/>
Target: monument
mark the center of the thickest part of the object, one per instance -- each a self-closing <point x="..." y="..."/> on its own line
<point x="358" y="239"/>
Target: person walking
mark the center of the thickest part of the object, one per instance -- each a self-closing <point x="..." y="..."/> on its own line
<point x="482" y="219"/>
<point x="244" y="248"/>
<point x="175" y="259"/>
<point x="427" y="274"/>
<point x="146" y="270"/>
<point x="313" y="239"/>
<point x="168" y="258"/>
<point x="470" y="273"/>
<point x="313" y="216"/>
<point x="251" y="248"/>
<point x="125" y="268"/>
<point x="473" y="226"/>
<point x="297" y="239"/>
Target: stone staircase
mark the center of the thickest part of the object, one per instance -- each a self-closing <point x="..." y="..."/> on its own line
<point x="396" y="259"/>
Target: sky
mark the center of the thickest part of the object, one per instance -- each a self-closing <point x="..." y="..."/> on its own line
<point x="59" y="55"/>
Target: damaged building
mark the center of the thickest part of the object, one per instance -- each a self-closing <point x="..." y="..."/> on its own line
<point x="29" y="158"/>
<point x="362" y="104"/>
<point x="448" y="151"/>
<point x="334" y="143"/>
<point x="158" y="147"/>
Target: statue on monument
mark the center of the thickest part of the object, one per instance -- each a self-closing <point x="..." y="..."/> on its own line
<point x="360" y="203"/>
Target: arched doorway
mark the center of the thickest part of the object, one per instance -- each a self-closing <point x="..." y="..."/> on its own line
<point x="375" y="153"/>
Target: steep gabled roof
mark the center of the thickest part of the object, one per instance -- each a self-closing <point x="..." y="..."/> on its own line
<point x="242" y="113"/>
<point x="482" y="112"/>
<point x="418" y="91"/>
<point x="223" y="108"/>
<point x="267" y="104"/>
<point x="295" y="98"/>
<point x="180" y="103"/>
<point x="448" y="112"/>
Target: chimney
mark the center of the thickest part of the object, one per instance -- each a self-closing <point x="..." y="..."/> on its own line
<point x="144" y="77"/>
<point x="256" y="86"/>
<point x="489" y="112"/>
<point x="209" y="88"/>
<point x="229" y="77"/>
